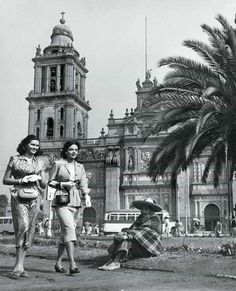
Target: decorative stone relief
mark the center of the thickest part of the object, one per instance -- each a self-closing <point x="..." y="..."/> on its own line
<point x="113" y="156"/>
<point x="99" y="155"/>
<point x="138" y="85"/>
<point x="89" y="175"/>
<point x="145" y="159"/>
<point x="130" y="159"/>
<point x="89" y="154"/>
<point x="83" y="61"/>
<point x="51" y="156"/>
<point x="130" y="201"/>
<point x="31" y="92"/>
<point x="166" y="199"/>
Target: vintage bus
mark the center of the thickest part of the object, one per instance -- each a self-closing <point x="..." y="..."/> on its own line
<point x="115" y="221"/>
<point x="6" y="225"/>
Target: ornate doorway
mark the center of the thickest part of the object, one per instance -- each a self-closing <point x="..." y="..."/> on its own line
<point x="89" y="214"/>
<point x="211" y="213"/>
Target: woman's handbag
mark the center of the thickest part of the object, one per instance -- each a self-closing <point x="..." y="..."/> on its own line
<point x="62" y="197"/>
<point x="28" y="193"/>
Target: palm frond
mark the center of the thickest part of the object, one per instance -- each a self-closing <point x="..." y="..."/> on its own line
<point x="206" y="52"/>
<point x="184" y="63"/>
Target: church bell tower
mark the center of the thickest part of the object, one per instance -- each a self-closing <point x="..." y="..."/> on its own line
<point x="58" y="110"/>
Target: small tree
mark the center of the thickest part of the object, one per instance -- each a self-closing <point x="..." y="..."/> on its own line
<point x="3" y="204"/>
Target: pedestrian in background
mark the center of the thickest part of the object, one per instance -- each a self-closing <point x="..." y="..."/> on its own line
<point x="83" y="230"/>
<point x="40" y="228"/>
<point x="69" y="178"/>
<point x="46" y="227"/>
<point x="178" y="228"/>
<point x="218" y="228"/>
<point x="86" y="227"/>
<point x="167" y="226"/>
<point x="26" y="173"/>
<point x="96" y="229"/>
<point x="233" y="226"/>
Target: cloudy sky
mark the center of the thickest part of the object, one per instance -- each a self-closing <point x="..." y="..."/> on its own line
<point x="110" y="34"/>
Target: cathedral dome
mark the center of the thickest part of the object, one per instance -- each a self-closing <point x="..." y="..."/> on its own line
<point x="61" y="35"/>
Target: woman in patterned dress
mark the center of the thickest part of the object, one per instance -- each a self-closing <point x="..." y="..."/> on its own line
<point x="24" y="170"/>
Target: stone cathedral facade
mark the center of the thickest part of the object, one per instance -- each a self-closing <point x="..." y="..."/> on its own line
<point x="116" y="161"/>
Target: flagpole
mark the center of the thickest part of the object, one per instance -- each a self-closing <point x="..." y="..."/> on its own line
<point x="145" y="46"/>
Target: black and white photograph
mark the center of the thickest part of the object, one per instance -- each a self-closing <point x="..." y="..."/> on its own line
<point x="118" y="145"/>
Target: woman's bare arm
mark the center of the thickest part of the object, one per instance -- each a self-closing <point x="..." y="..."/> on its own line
<point x="8" y="179"/>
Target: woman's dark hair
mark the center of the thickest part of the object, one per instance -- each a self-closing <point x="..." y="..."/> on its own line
<point x="66" y="146"/>
<point x="21" y="149"/>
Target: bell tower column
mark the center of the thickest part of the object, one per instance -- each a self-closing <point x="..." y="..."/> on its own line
<point x="47" y="78"/>
<point x="37" y="79"/>
<point x="58" y="87"/>
<point x="82" y="87"/>
<point x="31" y="121"/>
<point x="69" y="121"/>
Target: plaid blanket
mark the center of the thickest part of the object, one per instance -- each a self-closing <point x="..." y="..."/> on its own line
<point x="146" y="230"/>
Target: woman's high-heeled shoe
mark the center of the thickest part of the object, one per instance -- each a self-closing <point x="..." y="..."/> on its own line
<point x="24" y="274"/>
<point x="74" y="271"/>
<point x="59" y="270"/>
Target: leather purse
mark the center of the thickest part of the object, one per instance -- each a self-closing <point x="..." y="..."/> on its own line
<point x="28" y="193"/>
<point x="62" y="197"/>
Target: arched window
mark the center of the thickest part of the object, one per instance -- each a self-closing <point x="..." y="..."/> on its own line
<point x="62" y="113"/>
<point x="61" y="131"/>
<point x="38" y="114"/>
<point x="37" y="132"/>
<point x="50" y="127"/>
<point x="44" y="78"/>
<point x="62" y="68"/>
<point x="53" y="75"/>
<point x="211" y="214"/>
<point x="79" y="129"/>
<point x="52" y="86"/>
<point x="77" y="81"/>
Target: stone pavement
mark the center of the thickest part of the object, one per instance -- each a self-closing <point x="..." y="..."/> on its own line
<point x="168" y="272"/>
<point x="192" y="255"/>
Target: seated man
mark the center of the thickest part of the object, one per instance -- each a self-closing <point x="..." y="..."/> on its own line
<point x="141" y="239"/>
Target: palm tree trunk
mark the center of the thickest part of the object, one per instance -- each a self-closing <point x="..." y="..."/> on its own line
<point x="230" y="193"/>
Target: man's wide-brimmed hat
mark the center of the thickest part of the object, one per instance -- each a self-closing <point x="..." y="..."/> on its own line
<point x="149" y="202"/>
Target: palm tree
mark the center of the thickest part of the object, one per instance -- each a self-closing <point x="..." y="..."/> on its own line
<point x="197" y="108"/>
